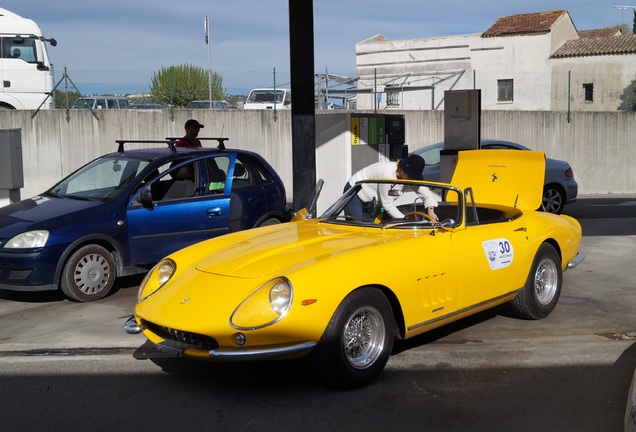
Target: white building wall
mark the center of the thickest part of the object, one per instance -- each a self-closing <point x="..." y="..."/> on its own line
<point x="613" y="78"/>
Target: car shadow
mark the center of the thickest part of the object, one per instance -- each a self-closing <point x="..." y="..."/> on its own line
<point x="448" y="329"/>
<point x="124" y="282"/>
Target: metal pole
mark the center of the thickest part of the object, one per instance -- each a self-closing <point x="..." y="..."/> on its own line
<point x="275" y="113"/>
<point x="207" y="41"/>
<point x="569" y="89"/>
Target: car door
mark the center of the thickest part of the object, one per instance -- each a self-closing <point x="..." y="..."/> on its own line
<point x="247" y="198"/>
<point x="493" y="260"/>
<point x="182" y="212"/>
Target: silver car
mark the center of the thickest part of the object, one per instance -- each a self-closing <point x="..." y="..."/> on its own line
<point x="560" y="187"/>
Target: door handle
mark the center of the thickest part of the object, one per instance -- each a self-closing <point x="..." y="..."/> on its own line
<point x="252" y="200"/>
<point x="214" y="211"/>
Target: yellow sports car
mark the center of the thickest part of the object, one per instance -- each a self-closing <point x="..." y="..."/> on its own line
<point x="342" y="289"/>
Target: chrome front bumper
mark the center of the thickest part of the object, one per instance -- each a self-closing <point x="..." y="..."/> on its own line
<point x="235" y="355"/>
<point x="259" y="354"/>
<point x="131" y="326"/>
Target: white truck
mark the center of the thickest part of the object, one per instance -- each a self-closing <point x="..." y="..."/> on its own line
<point x="268" y="98"/>
<point x="26" y="73"/>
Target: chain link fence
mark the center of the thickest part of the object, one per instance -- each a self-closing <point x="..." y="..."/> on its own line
<point x="500" y="90"/>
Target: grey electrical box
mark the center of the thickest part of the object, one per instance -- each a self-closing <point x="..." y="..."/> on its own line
<point x="11" y="171"/>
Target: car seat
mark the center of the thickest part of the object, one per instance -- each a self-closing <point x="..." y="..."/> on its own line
<point x="183" y="185"/>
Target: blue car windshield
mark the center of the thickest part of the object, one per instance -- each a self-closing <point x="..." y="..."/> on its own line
<point x="101" y="180"/>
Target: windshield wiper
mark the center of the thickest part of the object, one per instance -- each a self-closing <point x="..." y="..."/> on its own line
<point x="78" y="197"/>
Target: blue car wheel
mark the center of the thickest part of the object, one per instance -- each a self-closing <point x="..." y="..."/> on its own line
<point x="89" y="274"/>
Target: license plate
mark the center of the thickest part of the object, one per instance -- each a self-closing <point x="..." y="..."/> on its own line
<point x="174" y="352"/>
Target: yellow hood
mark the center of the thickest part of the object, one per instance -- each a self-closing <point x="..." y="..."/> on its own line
<point x="277" y="248"/>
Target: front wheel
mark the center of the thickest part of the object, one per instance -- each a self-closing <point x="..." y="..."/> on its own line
<point x="268" y="222"/>
<point x="543" y="286"/>
<point x="358" y="340"/>
<point x="89" y="274"/>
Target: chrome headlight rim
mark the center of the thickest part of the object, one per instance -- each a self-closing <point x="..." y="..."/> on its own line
<point x="163" y="272"/>
<point x="270" y="286"/>
<point x="32" y="239"/>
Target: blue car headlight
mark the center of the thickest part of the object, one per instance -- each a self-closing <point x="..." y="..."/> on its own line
<point x="265" y="306"/>
<point x="156" y="278"/>
<point x="28" y="240"/>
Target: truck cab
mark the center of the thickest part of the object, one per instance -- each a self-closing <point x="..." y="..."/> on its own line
<point x="25" y="69"/>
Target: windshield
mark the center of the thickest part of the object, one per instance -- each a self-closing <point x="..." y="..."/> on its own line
<point x="101" y="180"/>
<point x="395" y="204"/>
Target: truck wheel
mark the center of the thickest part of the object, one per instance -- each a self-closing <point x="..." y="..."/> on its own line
<point x="543" y="286"/>
<point x="358" y="340"/>
<point x="89" y="274"/>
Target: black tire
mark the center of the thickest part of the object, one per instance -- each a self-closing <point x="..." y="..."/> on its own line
<point x="89" y="274"/>
<point x="268" y="222"/>
<point x="553" y="199"/>
<point x="543" y="286"/>
<point x="358" y="340"/>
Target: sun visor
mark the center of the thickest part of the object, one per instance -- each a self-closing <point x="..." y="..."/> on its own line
<point x="505" y="177"/>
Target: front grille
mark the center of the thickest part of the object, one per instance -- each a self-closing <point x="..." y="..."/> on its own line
<point x="189" y="340"/>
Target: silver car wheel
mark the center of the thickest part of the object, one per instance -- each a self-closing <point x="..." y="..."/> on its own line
<point x="92" y="273"/>
<point x="89" y="274"/>
<point x="364" y="336"/>
<point x="553" y="201"/>
<point x="546" y="281"/>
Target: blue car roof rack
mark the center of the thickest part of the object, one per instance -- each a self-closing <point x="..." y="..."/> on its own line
<point x="169" y="141"/>
<point x="221" y="141"/>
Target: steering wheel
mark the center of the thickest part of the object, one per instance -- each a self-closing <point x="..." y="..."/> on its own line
<point x="419" y="213"/>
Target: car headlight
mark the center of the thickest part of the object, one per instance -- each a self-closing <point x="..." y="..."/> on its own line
<point x="156" y="278"/>
<point x="265" y="306"/>
<point x="28" y="240"/>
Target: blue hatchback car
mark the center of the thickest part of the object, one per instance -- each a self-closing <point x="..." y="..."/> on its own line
<point x="124" y="211"/>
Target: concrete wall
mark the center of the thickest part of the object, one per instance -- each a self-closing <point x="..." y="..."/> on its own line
<point x="600" y="146"/>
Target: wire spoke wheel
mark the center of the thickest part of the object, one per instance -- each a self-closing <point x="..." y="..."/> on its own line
<point x="358" y="341"/>
<point x="546" y="281"/>
<point x="543" y="286"/>
<point x="364" y="337"/>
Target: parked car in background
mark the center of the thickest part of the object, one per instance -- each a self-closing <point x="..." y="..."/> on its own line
<point x="205" y="104"/>
<point x="146" y="106"/>
<point x="342" y="289"/>
<point x="101" y="102"/>
<point x="124" y="211"/>
<point x="560" y="187"/>
<point x="268" y="98"/>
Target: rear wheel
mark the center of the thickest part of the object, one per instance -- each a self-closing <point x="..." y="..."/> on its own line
<point x="89" y="274"/>
<point x="543" y="286"/>
<point x="358" y="341"/>
<point x="553" y="199"/>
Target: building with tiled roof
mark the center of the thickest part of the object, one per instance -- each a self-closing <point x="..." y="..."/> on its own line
<point x="524" y="24"/>
<point x="536" y="61"/>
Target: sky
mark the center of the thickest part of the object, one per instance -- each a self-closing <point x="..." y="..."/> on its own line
<point x="253" y="35"/>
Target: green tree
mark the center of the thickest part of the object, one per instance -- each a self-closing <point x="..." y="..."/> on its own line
<point x="178" y="85"/>
<point x="60" y="98"/>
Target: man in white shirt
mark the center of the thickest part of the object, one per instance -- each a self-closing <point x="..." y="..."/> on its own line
<point x="406" y="169"/>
